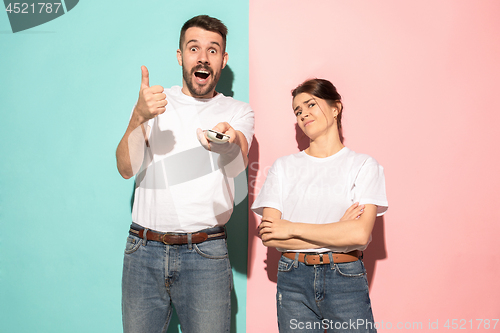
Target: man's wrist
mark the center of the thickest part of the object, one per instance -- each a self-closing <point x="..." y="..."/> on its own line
<point x="137" y="119"/>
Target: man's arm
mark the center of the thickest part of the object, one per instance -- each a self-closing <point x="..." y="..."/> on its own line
<point x="242" y="142"/>
<point x="236" y="137"/>
<point x="233" y="154"/>
<point x="130" y="151"/>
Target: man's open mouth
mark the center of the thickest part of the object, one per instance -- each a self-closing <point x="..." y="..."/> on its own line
<point x="202" y="74"/>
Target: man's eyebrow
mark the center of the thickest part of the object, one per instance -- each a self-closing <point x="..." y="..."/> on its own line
<point x="191" y="41"/>
<point x="196" y="41"/>
<point x="216" y="43"/>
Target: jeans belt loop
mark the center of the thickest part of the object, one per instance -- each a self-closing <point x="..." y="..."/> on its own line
<point x="190" y="241"/>
<point x="330" y="256"/>
<point x="144" y="237"/>
<point x="296" y="260"/>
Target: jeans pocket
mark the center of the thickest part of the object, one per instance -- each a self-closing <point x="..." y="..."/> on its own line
<point x="351" y="269"/>
<point x="285" y="264"/>
<point x="133" y="243"/>
<point x="215" y="249"/>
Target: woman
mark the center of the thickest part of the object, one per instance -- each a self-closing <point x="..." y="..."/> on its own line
<point x="310" y="212"/>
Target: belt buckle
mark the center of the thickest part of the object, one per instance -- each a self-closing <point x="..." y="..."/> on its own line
<point x="164" y="241"/>
<point x="320" y="259"/>
<point x="305" y="259"/>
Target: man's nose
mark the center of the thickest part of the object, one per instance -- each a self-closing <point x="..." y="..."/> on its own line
<point x="203" y="58"/>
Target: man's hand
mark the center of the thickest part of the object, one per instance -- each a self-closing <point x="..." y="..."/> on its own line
<point x="221" y="148"/>
<point x="233" y="153"/>
<point x="152" y="101"/>
<point x="202" y="137"/>
<point x="225" y="128"/>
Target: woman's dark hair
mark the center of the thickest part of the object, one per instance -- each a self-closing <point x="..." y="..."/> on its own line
<point x="325" y="90"/>
<point x="207" y="23"/>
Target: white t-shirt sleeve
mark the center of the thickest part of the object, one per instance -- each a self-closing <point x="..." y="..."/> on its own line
<point x="244" y="122"/>
<point x="271" y="192"/>
<point x="369" y="186"/>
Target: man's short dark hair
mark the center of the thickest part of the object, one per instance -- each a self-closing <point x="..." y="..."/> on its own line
<point x="207" y="23"/>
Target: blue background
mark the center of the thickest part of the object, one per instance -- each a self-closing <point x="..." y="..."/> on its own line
<point x="67" y="89"/>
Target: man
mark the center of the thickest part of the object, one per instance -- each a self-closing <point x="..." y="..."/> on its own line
<point x="176" y="251"/>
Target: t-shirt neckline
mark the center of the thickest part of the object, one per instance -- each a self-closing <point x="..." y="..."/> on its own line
<point x="328" y="158"/>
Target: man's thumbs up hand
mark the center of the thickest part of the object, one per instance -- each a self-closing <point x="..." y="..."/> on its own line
<point x="145" y="77"/>
<point x="152" y="101"/>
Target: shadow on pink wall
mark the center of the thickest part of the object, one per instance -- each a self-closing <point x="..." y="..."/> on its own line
<point x="376" y="249"/>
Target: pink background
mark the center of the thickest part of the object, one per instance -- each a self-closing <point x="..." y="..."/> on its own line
<point x="420" y="81"/>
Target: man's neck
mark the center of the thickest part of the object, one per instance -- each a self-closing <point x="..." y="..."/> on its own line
<point x="186" y="92"/>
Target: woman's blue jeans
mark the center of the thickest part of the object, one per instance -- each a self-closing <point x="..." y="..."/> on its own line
<point x="312" y="298"/>
<point x="196" y="279"/>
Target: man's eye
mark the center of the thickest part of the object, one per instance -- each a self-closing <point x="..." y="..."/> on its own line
<point x="213" y="51"/>
<point x="192" y="49"/>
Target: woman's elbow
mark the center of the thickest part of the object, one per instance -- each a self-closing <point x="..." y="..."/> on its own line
<point x="268" y="243"/>
<point x="362" y="238"/>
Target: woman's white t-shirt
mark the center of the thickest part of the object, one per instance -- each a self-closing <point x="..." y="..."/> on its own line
<point x="308" y="189"/>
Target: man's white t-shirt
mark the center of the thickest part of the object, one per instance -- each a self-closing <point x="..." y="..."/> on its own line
<point x="180" y="187"/>
<point x="308" y="189"/>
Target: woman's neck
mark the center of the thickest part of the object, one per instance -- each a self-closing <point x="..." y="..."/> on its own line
<point x="324" y="146"/>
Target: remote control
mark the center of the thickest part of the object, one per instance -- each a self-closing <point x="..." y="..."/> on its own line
<point x="217" y="137"/>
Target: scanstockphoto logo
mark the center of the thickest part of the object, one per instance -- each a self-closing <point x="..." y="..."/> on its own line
<point x="28" y="14"/>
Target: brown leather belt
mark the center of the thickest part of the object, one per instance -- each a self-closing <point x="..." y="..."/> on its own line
<point x="323" y="258"/>
<point x="170" y="238"/>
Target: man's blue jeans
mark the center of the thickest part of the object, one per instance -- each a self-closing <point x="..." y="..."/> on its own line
<point x="196" y="279"/>
<point x="312" y="298"/>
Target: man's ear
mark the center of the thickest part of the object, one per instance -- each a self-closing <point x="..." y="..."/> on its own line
<point x="224" y="59"/>
<point x="179" y="57"/>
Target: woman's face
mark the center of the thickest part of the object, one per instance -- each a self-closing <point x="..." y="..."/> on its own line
<point x="314" y="115"/>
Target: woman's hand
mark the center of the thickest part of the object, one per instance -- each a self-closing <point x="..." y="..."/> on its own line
<point x="353" y="212"/>
<point x="275" y="228"/>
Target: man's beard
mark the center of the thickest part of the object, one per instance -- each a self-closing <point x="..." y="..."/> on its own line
<point x="201" y="91"/>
